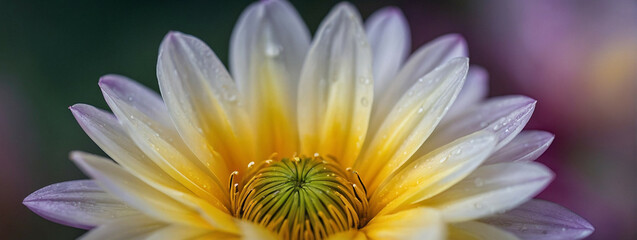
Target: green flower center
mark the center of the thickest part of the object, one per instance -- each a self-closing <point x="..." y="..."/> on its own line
<point x="302" y="198"/>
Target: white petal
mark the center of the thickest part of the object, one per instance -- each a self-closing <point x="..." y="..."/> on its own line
<point x="433" y="173"/>
<point x="424" y="60"/>
<point x="417" y="223"/>
<point x="475" y="90"/>
<point x="491" y="189"/>
<point x="146" y="119"/>
<point x="79" y="203"/>
<point x="116" y="181"/>
<point x="390" y="41"/>
<point x="267" y="49"/>
<point x="106" y="132"/>
<point x="203" y="103"/>
<point x="411" y="121"/>
<point x="335" y="92"/>
<point x="478" y="231"/>
<point x="505" y="116"/>
<point x="139" y="227"/>
<point x="539" y="219"/>
<point x="526" y="146"/>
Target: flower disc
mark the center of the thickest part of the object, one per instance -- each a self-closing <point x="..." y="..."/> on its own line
<point x="301" y="198"/>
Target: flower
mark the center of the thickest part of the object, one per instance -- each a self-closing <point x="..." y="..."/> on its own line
<point x="368" y="147"/>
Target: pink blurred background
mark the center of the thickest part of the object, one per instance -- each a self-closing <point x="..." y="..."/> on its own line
<point x="579" y="60"/>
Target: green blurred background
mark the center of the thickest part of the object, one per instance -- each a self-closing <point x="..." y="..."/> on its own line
<point x="53" y="52"/>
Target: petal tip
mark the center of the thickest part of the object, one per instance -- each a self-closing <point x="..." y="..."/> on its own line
<point x="78" y="108"/>
<point x="109" y="80"/>
<point x="172" y="35"/>
<point x="76" y="156"/>
<point x="391" y="12"/>
<point x="345" y="8"/>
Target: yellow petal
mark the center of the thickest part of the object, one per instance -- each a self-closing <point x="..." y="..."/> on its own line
<point x="417" y="223"/>
<point x="204" y="104"/>
<point x="433" y="173"/>
<point x="411" y="121"/>
<point x="146" y="120"/>
<point x="134" y="227"/>
<point x="108" y="134"/>
<point x="336" y="88"/>
<point x="478" y="231"/>
<point x="267" y="50"/>
<point x="172" y="232"/>
<point x="253" y="231"/>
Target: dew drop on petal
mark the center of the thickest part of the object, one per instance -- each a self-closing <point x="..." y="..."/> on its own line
<point x="364" y="102"/>
<point x="478" y="182"/>
<point x="456" y="151"/>
<point x="272" y="50"/>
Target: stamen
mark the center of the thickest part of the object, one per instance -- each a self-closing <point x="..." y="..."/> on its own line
<point x="309" y="198"/>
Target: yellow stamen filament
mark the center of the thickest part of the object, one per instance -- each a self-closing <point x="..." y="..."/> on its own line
<point x="301" y="198"/>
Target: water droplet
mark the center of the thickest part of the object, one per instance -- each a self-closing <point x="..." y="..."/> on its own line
<point x="250" y="164"/>
<point x="420" y="110"/>
<point x="364" y="80"/>
<point x="478" y="182"/>
<point x="231" y="97"/>
<point x="364" y="102"/>
<point x="272" y="50"/>
<point x="456" y="151"/>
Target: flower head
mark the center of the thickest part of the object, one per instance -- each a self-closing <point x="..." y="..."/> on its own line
<point x="333" y="139"/>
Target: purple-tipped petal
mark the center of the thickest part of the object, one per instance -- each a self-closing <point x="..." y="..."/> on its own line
<point x="106" y="131"/>
<point x="390" y="41"/>
<point x="120" y="91"/>
<point x="421" y="62"/>
<point x="539" y="219"/>
<point x="145" y="118"/>
<point x="79" y="203"/>
<point x="505" y="116"/>
<point x="475" y="89"/>
<point x="526" y="146"/>
<point x="491" y="189"/>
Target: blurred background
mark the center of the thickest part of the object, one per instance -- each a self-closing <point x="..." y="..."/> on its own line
<point x="578" y="58"/>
